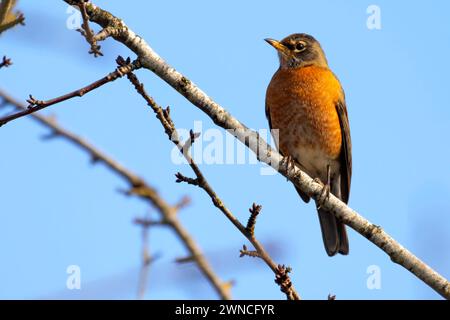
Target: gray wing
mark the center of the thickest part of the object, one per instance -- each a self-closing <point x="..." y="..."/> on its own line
<point x="346" y="152"/>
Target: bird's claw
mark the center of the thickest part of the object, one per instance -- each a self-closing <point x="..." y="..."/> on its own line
<point x="289" y="162"/>
<point x="324" y="194"/>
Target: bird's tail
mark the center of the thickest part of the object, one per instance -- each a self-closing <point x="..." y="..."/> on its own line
<point x="334" y="234"/>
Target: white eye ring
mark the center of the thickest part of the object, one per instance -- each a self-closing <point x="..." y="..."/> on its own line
<point x="300" y="46"/>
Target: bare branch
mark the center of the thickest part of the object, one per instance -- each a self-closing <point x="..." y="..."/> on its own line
<point x="36" y="105"/>
<point x="87" y="32"/>
<point x="183" y="203"/>
<point x="254" y="212"/>
<point x="147" y="260"/>
<point x="200" y="181"/>
<point x="8" y="19"/>
<point x="5" y="62"/>
<point x="149" y="223"/>
<point x="249" y="253"/>
<point x="104" y="34"/>
<point x="5" y="9"/>
<point x="153" y="62"/>
<point x="138" y="188"/>
<point x="19" y="20"/>
<point x="182" y="178"/>
<point x="283" y="280"/>
<point x="185" y="259"/>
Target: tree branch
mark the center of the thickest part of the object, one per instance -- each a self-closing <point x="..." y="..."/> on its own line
<point x="139" y="188"/>
<point x="6" y="62"/>
<point x="163" y="116"/>
<point x="147" y="258"/>
<point x="8" y="19"/>
<point x="5" y="8"/>
<point x="20" y="19"/>
<point x="87" y="32"/>
<point x="153" y="62"/>
<point x="36" y="105"/>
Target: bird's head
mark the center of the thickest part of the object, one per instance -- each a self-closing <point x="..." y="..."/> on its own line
<point x="299" y="50"/>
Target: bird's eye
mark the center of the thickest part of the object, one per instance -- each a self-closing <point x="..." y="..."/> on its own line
<point x="300" y="46"/>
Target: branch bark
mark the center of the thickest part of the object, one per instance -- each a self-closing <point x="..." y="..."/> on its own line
<point x="139" y="188"/>
<point x="153" y="62"/>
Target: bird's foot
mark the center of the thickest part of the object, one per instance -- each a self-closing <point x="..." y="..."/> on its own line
<point x="289" y="163"/>
<point x="324" y="194"/>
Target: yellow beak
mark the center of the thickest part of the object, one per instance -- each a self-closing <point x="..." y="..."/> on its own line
<point x="279" y="46"/>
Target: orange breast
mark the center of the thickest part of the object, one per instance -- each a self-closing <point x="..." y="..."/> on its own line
<point x="302" y="105"/>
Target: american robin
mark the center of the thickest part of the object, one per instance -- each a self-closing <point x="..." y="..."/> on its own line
<point x="306" y="103"/>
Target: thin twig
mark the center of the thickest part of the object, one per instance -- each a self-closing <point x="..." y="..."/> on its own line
<point x="284" y="281"/>
<point x="87" y="32"/>
<point x="145" y="223"/>
<point x="183" y="203"/>
<point x="185" y="259"/>
<point x="249" y="253"/>
<point x="37" y="105"/>
<point x="153" y="62"/>
<point x="6" y="62"/>
<point x="163" y="116"/>
<point x="139" y="188"/>
<point x="147" y="260"/>
<point x="254" y="212"/>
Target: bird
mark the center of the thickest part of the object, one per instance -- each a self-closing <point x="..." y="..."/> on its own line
<point x="305" y="102"/>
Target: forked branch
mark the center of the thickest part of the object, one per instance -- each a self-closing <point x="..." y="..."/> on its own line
<point x="35" y="105"/>
<point x="137" y="187"/>
<point x="163" y="115"/>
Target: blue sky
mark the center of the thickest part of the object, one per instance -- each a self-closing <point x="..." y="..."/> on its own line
<point x="59" y="210"/>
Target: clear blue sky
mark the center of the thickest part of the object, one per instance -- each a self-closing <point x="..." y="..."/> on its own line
<point x="58" y="210"/>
